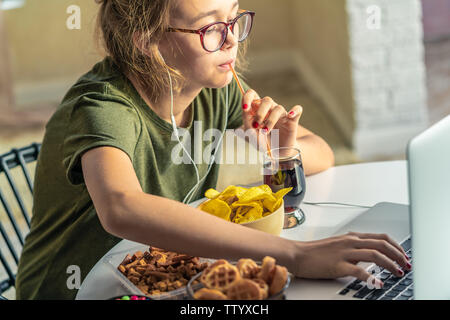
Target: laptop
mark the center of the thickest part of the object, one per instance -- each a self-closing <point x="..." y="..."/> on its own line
<point x="422" y="228"/>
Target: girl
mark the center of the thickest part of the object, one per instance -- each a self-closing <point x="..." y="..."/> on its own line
<point x="105" y="171"/>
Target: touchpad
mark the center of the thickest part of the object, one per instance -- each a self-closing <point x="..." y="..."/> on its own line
<point x="384" y="217"/>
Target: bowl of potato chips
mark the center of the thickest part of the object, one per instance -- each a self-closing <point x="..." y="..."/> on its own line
<point x="257" y="207"/>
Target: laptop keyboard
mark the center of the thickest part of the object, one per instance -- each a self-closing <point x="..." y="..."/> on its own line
<point x="394" y="288"/>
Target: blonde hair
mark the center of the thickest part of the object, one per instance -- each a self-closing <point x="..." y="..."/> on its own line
<point x="123" y="23"/>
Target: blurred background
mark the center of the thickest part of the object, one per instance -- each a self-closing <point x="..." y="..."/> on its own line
<point x="370" y="74"/>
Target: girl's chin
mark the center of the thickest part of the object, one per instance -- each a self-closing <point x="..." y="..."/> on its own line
<point x="221" y="81"/>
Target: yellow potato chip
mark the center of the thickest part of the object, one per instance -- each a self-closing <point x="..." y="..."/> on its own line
<point x="241" y="205"/>
<point x="240" y="212"/>
<point x="271" y="205"/>
<point x="253" y="204"/>
<point x="217" y="207"/>
<point x="254" y="213"/>
<point x="281" y="193"/>
<point x="257" y="193"/>
<point x="265" y="188"/>
<point x="247" y="214"/>
<point x="266" y="213"/>
<point x="231" y="191"/>
<point x="212" y="193"/>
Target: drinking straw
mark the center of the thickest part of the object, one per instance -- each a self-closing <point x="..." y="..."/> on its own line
<point x="237" y="79"/>
<point x="242" y="91"/>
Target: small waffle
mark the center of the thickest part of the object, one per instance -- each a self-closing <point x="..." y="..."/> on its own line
<point x="210" y="267"/>
<point x="221" y="277"/>
<point x="279" y="280"/>
<point x="263" y="287"/>
<point x="248" y="268"/>
<point x="209" y="294"/>
<point x="244" y="289"/>
<point x="267" y="269"/>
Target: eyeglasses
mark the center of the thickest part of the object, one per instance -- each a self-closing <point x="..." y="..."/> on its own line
<point x="214" y="35"/>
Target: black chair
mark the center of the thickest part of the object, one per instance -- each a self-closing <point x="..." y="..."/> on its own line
<point x="11" y="245"/>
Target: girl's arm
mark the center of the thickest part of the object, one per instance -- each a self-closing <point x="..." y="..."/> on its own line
<point x="317" y="155"/>
<point x="127" y="212"/>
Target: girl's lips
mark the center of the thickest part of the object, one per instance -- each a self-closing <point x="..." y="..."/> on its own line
<point x="226" y="64"/>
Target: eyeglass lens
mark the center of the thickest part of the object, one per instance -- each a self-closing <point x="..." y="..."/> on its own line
<point x="215" y="36"/>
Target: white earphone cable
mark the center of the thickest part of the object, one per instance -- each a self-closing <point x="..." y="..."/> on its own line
<point x="213" y="157"/>
<point x="175" y="129"/>
<point x="189" y="195"/>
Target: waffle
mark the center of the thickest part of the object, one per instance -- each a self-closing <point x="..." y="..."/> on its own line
<point x="244" y="289"/>
<point x="279" y="280"/>
<point x="210" y="267"/>
<point x="244" y="281"/>
<point x="247" y="268"/>
<point x="209" y="294"/>
<point x="267" y="269"/>
<point x="263" y="287"/>
<point x="221" y="277"/>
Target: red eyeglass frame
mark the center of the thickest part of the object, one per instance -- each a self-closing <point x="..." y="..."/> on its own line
<point x="202" y="30"/>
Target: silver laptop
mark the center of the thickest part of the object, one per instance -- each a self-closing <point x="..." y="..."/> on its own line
<point x="422" y="228"/>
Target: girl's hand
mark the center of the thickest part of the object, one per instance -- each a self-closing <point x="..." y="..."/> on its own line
<point x="266" y="115"/>
<point x="337" y="257"/>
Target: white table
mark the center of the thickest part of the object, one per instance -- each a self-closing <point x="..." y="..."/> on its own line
<point x="362" y="184"/>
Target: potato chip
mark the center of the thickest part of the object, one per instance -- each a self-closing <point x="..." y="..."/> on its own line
<point x="231" y="191"/>
<point x="281" y="193"/>
<point x="242" y="205"/>
<point x="248" y="213"/>
<point x="265" y="188"/>
<point x="217" y="207"/>
<point x="239" y="203"/>
<point x="267" y="212"/>
<point x="257" y="193"/>
<point x="272" y="205"/>
<point x="240" y="212"/>
<point x="212" y="193"/>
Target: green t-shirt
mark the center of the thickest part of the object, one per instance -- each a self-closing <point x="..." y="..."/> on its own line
<point x="104" y="109"/>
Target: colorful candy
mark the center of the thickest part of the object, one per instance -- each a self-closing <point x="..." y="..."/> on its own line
<point x="134" y="297"/>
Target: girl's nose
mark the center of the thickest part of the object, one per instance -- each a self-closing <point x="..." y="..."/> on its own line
<point x="231" y="40"/>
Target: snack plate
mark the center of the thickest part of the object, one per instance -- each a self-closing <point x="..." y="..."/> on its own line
<point x="115" y="259"/>
<point x="191" y="289"/>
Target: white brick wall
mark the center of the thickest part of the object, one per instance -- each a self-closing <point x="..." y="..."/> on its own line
<point x="388" y="74"/>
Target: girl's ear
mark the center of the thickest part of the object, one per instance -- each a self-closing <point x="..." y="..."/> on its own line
<point x="141" y="43"/>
